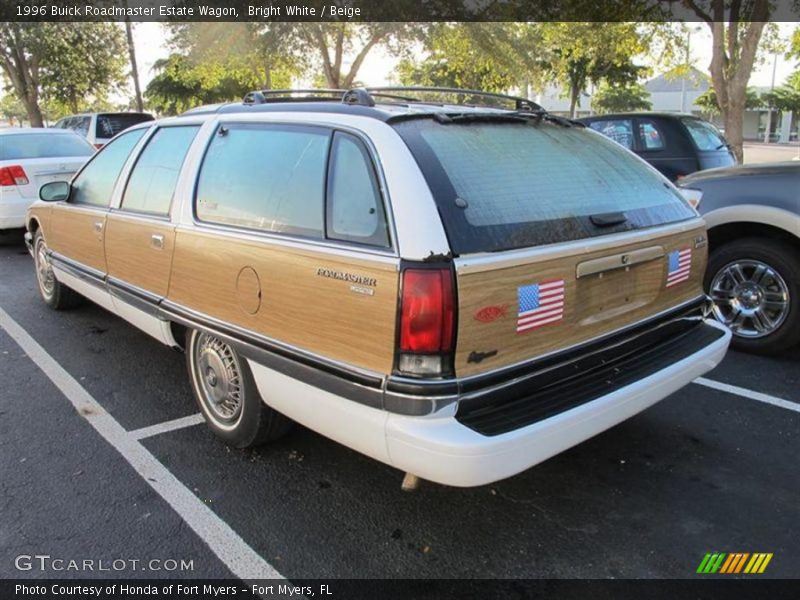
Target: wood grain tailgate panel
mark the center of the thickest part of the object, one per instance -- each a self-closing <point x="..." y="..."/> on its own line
<point x="298" y="307"/>
<point x="594" y="304"/>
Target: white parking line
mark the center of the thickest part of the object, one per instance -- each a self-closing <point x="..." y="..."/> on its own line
<point x="166" y="426"/>
<point x="745" y="393"/>
<point x="244" y="562"/>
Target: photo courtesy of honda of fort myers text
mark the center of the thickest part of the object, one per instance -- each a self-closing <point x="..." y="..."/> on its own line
<point x="412" y="299"/>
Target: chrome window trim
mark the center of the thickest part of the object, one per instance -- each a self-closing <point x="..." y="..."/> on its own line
<point x="478" y="263"/>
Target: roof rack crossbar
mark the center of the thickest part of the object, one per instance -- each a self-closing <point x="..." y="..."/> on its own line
<point x="265" y="96"/>
<point x="520" y="103"/>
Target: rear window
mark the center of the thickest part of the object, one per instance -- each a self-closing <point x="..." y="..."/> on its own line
<point x="502" y="186"/>
<point x="109" y="125"/>
<point x="43" y="145"/>
<point x="705" y="136"/>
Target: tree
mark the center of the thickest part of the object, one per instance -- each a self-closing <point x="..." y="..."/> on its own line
<point x="734" y="47"/>
<point x="784" y="99"/>
<point x="579" y="53"/>
<point x="137" y="89"/>
<point x="68" y="63"/>
<point x="610" y="98"/>
<point x="12" y="110"/>
<point x="708" y="104"/>
<point x="462" y="55"/>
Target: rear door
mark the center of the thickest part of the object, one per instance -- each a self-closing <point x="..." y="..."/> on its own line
<point x="559" y="236"/>
<point x="139" y="235"/>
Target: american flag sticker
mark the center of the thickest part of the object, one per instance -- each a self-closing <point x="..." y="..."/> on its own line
<point x="540" y="304"/>
<point x="679" y="266"/>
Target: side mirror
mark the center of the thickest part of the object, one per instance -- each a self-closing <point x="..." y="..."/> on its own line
<point x="55" y="191"/>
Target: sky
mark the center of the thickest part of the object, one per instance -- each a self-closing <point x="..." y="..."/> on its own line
<point x="150" y="40"/>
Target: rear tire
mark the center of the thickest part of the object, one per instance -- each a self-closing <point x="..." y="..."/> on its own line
<point x="54" y="293"/>
<point x="226" y="393"/>
<point x="755" y="285"/>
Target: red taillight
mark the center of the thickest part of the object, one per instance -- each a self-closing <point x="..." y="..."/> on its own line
<point x="426" y="313"/>
<point x="13" y="175"/>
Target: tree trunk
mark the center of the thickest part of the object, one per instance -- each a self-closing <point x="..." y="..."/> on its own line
<point x="733" y="117"/>
<point x="34" y="112"/>
<point x="574" y="91"/>
<point x="134" y="69"/>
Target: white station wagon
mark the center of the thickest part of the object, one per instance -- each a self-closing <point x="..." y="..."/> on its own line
<point x="457" y="290"/>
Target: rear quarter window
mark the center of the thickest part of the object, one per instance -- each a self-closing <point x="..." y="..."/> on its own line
<point x="705" y="136"/>
<point x="110" y="124"/>
<point x="501" y="186"/>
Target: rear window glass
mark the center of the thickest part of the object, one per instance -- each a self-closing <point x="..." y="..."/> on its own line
<point x="502" y="186"/>
<point x="43" y="145"/>
<point x="109" y="125"/>
<point x="619" y="130"/>
<point x="704" y="134"/>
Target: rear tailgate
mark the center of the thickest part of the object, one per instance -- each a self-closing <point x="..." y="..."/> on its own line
<point x="521" y="305"/>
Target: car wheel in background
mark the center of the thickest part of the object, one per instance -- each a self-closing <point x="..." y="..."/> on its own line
<point x="755" y="286"/>
<point x="224" y="389"/>
<point x="54" y="293"/>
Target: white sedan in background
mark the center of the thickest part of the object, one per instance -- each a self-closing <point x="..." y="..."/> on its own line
<point x="31" y="157"/>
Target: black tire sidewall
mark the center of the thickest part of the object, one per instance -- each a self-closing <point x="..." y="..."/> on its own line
<point x="246" y="432"/>
<point x="781" y="257"/>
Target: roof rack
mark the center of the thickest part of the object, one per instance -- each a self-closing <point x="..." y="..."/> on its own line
<point x="308" y="95"/>
<point x="365" y="96"/>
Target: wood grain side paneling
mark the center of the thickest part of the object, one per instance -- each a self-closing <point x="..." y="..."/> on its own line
<point x="132" y="255"/>
<point x="594" y="305"/>
<point x="74" y="233"/>
<point x="298" y="307"/>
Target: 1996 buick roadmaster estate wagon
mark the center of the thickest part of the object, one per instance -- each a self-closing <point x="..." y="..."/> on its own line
<point x="459" y="291"/>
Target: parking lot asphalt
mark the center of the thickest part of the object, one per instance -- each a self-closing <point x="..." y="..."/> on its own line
<point x="703" y="471"/>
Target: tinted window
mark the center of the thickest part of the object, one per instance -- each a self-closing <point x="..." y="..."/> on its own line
<point x="704" y="134"/>
<point x="153" y="178"/>
<point x="82" y="124"/>
<point x="619" y="130"/>
<point x="355" y="209"/>
<point x="501" y="186"/>
<point x="649" y="136"/>
<point x="43" y="145"/>
<point x="265" y="177"/>
<point x="95" y="184"/>
<point x="109" y="125"/>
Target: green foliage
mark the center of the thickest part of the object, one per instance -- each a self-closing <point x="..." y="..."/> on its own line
<point x="68" y="65"/>
<point x="181" y="84"/>
<point x="611" y="98"/>
<point x="784" y="98"/>
<point x="456" y="58"/>
<point x="12" y="110"/>
<point x="707" y="101"/>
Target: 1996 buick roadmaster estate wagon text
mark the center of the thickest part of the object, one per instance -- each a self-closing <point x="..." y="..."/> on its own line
<point x="456" y="288"/>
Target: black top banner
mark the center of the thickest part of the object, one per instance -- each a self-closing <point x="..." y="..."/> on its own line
<point x="397" y="10"/>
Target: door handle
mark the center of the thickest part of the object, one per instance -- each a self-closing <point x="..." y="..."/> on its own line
<point x="98" y="226"/>
<point x="157" y="241"/>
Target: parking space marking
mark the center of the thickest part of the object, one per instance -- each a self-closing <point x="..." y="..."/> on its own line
<point x="744" y="392"/>
<point x="244" y="562"/>
<point x="167" y="426"/>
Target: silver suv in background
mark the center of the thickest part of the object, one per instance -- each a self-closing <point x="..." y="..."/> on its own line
<point x="99" y="128"/>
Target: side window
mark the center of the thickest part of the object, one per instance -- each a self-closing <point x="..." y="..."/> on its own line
<point x="155" y="174"/>
<point x="355" y="208"/>
<point x="619" y="130"/>
<point x="95" y="183"/>
<point x="265" y="177"/>
<point x="82" y="125"/>
<point x="650" y="137"/>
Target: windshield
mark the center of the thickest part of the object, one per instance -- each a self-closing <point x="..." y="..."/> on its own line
<point x="109" y="125"/>
<point x="502" y="186"/>
<point x="43" y="145"/>
<point x="704" y="134"/>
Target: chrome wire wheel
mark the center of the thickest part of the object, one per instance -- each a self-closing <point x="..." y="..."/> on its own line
<point x="44" y="272"/>
<point x="218" y="379"/>
<point x="750" y="297"/>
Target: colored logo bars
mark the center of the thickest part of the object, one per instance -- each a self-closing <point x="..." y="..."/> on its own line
<point x="735" y="562"/>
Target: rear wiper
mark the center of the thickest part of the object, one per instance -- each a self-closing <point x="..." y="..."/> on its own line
<point x="608" y="219"/>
